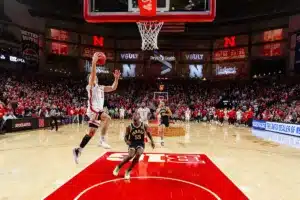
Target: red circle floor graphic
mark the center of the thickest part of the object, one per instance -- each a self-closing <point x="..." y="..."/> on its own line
<point x="147" y="188"/>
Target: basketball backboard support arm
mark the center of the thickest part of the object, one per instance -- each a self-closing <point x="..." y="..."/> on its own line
<point x="133" y="15"/>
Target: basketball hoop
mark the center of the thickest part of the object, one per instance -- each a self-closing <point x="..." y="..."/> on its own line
<point x="149" y="31"/>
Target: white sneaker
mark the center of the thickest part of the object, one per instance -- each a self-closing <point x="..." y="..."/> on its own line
<point x="127" y="175"/>
<point x="104" y="145"/>
<point x="116" y="171"/>
<point x="76" y="154"/>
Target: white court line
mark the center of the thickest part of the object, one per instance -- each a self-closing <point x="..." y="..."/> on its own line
<point x="150" y="177"/>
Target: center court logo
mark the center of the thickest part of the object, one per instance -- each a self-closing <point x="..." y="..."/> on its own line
<point x="161" y="158"/>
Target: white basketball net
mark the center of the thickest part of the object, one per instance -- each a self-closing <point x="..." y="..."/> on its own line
<point x="149" y="31"/>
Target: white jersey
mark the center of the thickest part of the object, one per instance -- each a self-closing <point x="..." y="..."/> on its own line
<point x="238" y="115"/>
<point x="122" y="112"/>
<point x="95" y="98"/>
<point x="144" y="112"/>
<point x="187" y="113"/>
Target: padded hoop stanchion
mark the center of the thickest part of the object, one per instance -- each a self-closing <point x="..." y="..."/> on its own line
<point x="149" y="31"/>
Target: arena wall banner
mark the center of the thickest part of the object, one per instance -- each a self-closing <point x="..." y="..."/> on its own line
<point x="270" y="36"/>
<point x="231" y="41"/>
<point x="99" y="69"/>
<point x="259" y="124"/>
<point x="297" y="54"/>
<point x="30" y="47"/>
<point x="196" y="71"/>
<point x="190" y="57"/>
<point x="128" y="70"/>
<point x="284" y="128"/>
<point x="88" y="52"/>
<point x="11" y="58"/>
<point x="278" y="138"/>
<point x="163" y="56"/>
<point x="230" y="70"/>
<point x="13" y="125"/>
<point x="230" y="54"/>
<point x="129" y="56"/>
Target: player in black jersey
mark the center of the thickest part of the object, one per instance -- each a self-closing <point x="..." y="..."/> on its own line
<point x="135" y="139"/>
<point x="165" y="113"/>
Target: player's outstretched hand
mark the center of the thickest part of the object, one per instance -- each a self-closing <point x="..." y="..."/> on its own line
<point x="96" y="57"/>
<point x="117" y="74"/>
<point x="153" y="145"/>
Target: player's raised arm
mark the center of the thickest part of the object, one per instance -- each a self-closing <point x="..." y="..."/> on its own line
<point x="157" y="111"/>
<point x="169" y="112"/>
<point x="149" y="136"/>
<point x="114" y="86"/>
<point x="92" y="76"/>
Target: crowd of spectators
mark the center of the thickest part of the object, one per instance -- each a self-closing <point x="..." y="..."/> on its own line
<point x="33" y="95"/>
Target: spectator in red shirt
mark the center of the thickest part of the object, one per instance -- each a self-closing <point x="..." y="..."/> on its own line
<point x="249" y="116"/>
<point x="76" y="115"/>
<point x="244" y="118"/>
<point x="221" y="116"/>
<point x="2" y="111"/>
<point x="81" y="113"/>
<point x="232" y="116"/>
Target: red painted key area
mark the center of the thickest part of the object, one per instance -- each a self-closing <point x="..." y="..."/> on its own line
<point x="158" y="176"/>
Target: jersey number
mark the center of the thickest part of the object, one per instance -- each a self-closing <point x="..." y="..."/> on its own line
<point x="137" y="137"/>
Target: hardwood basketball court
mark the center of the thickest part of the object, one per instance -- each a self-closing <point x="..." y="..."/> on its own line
<point x="228" y="162"/>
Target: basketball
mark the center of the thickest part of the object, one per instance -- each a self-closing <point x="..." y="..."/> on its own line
<point x="102" y="58"/>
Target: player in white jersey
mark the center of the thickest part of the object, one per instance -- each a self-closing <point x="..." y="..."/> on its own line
<point x="187" y="114"/>
<point x="95" y="110"/>
<point x="239" y="116"/>
<point x="122" y="113"/>
<point x="144" y="113"/>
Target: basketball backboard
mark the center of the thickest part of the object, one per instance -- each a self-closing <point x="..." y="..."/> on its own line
<point x="100" y="11"/>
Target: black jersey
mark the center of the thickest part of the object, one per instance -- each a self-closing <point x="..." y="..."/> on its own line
<point x="137" y="134"/>
<point x="163" y="113"/>
<point x="164" y="118"/>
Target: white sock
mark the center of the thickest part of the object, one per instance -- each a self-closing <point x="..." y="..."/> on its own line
<point x="102" y="138"/>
